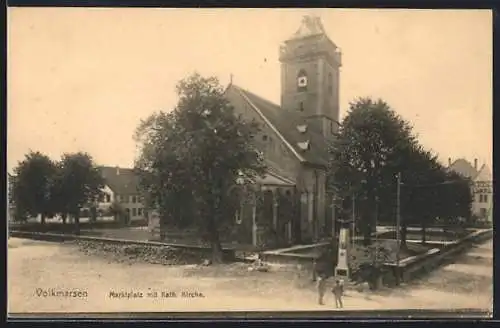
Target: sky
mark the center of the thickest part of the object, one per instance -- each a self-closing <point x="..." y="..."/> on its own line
<point x="81" y="79"/>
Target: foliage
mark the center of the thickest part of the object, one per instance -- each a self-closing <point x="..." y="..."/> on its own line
<point x="78" y="184"/>
<point x="194" y="154"/>
<point x="367" y="263"/>
<point x="374" y="145"/>
<point x="31" y="189"/>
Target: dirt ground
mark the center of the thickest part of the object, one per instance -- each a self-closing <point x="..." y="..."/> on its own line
<point x="35" y="267"/>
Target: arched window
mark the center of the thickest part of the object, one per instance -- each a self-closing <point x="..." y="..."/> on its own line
<point x="330" y="83"/>
<point x="302" y="81"/>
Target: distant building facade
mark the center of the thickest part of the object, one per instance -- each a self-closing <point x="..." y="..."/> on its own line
<point x="481" y="186"/>
<point x="121" y="186"/>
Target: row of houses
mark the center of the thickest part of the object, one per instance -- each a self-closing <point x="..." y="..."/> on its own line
<point x="120" y="185"/>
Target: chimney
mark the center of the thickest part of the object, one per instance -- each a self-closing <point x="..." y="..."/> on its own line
<point x="449" y="161"/>
<point x="117" y="170"/>
<point x="475" y="164"/>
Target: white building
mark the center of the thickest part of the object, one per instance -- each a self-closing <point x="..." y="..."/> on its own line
<point x="121" y="185"/>
<point x="482" y="186"/>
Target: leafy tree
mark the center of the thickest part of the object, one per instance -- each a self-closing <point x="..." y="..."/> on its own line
<point x="31" y="190"/>
<point x="58" y="197"/>
<point x="194" y="154"/>
<point x="429" y="192"/>
<point x="372" y="145"/>
<point x="456" y="199"/>
<point x="79" y="183"/>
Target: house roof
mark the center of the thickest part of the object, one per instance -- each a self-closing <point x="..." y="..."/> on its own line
<point x="464" y="168"/>
<point x="120" y="180"/>
<point x="285" y="122"/>
<point x="484" y="174"/>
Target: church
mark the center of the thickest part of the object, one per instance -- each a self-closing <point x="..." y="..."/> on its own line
<point x="294" y="138"/>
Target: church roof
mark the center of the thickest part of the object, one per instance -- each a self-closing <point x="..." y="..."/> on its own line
<point x="285" y="122"/>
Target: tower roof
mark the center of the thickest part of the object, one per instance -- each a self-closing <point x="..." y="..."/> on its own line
<point x="310" y="25"/>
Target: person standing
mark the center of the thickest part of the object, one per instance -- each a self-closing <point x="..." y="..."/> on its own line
<point x="321" y="289"/>
<point x="323" y="268"/>
<point x="338" y="292"/>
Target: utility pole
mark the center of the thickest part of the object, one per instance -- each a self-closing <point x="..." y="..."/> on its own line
<point x="376" y="217"/>
<point x="398" y="223"/>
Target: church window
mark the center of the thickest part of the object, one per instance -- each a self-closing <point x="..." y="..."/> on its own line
<point x="330" y="83"/>
<point x="264" y="138"/>
<point x="238" y="215"/>
<point x="301" y="106"/>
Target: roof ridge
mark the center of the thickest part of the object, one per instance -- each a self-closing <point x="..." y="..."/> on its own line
<point x="303" y="119"/>
<point x="242" y="92"/>
<point x="256" y="95"/>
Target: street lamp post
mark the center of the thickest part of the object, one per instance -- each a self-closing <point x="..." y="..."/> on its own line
<point x="376" y="215"/>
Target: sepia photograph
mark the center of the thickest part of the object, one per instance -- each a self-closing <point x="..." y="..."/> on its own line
<point x="292" y="162"/>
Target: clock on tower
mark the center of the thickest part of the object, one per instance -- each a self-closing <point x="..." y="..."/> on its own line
<point x="302" y="81"/>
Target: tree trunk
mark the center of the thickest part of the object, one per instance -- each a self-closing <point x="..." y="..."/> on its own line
<point x="77" y="223"/>
<point x="369" y="219"/>
<point x="215" y="213"/>
<point x="64" y="218"/>
<point x="93" y="214"/>
<point x="42" y="219"/>
<point x="424" y="232"/>
<point x="215" y="243"/>
<point x="367" y="235"/>
<point x="162" y="226"/>
<point x="213" y="232"/>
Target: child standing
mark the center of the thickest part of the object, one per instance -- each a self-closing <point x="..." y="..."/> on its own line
<point x="338" y="292"/>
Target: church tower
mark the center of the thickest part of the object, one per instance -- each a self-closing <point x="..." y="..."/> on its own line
<point x="310" y="71"/>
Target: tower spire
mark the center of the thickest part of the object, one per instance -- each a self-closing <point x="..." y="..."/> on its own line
<point x="310" y="25"/>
